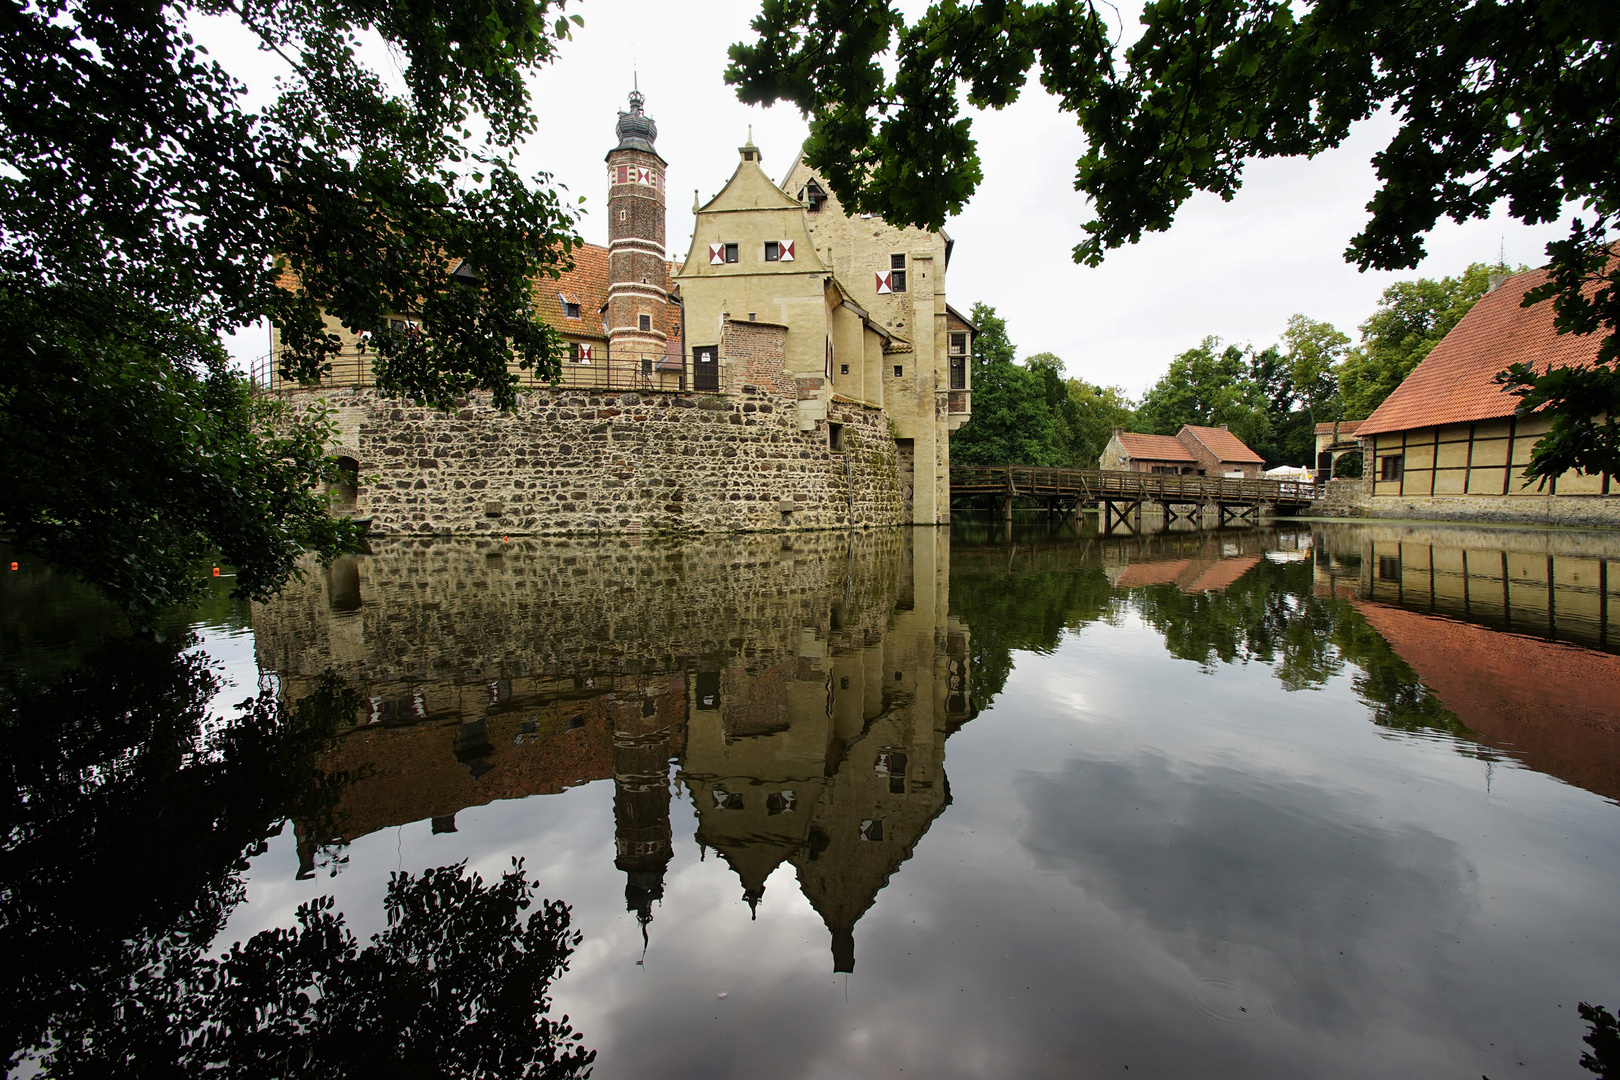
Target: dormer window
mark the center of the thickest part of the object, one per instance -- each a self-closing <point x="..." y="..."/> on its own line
<point x="570" y="311"/>
<point x="812" y="196"/>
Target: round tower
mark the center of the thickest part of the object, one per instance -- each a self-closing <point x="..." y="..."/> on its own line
<point x="637" y="298"/>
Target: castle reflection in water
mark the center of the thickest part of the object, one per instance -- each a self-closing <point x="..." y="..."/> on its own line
<point x="798" y="691"/>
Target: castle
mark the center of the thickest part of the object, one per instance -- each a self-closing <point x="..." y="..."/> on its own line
<point x="800" y="368"/>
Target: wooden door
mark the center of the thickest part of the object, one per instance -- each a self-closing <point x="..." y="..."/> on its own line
<point x="706" y="369"/>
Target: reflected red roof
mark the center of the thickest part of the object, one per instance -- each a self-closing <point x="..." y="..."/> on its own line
<point x="1550" y="705"/>
<point x="1222" y="574"/>
<point x="1223" y="444"/>
<point x="1153" y="447"/>
<point x="1454" y="383"/>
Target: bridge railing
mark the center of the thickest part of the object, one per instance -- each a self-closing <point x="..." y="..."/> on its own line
<point x="1090" y="484"/>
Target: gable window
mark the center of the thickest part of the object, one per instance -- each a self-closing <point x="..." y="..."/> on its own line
<point x="643" y="322"/>
<point x="843" y="369"/>
<point x="897" y="273"/>
<point x="773" y="251"/>
<point x="1393" y="466"/>
<point x="570" y="311"/>
<point x="731" y="253"/>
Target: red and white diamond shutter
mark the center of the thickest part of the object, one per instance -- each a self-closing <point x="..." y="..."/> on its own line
<point x="884" y="282"/>
<point x="785" y="248"/>
<point x="585" y="353"/>
<point x="717" y="254"/>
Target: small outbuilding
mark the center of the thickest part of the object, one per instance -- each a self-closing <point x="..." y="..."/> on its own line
<point x="1132" y="452"/>
<point x="1202" y="451"/>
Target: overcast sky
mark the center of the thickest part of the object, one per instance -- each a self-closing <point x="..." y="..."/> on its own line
<point x="1237" y="270"/>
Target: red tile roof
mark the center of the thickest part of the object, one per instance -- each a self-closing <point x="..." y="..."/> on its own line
<point x="1226" y="446"/>
<point x="1453" y="383"/>
<point x="1346" y="427"/>
<point x="1153" y="447"/>
<point x="586" y="285"/>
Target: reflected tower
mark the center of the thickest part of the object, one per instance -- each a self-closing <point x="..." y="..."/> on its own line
<point x="644" y="727"/>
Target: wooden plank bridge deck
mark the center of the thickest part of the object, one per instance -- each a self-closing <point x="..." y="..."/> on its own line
<point x="1121" y="494"/>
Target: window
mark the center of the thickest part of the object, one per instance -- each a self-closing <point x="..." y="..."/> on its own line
<point x="730" y="253"/>
<point x="1389" y="568"/>
<point x="813" y="197"/>
<point x="644" y="322"/>
<point x="897" y="273"/>
<point x="958" y="355"/>
<point x="1164" y="469"/>
<point x="843" y="369"/>
<point x="773" y="251"/>
<point x="899" y="371"/>
<point x="835" y="438"/>
<point x="570" y="311"/>
<point x="1393" y="467"/>
<point x="623" y="214"/>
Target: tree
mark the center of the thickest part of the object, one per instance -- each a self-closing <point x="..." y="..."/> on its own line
<point x="144" y="209"/>
<point x="1315" y="350"/>
<point x="1514" y="100"/>
<point x="1098" y="410"/>
<point x="1012" y="423"/>
<point x="1207" y="386"/>
<point x="1411" y="319"/>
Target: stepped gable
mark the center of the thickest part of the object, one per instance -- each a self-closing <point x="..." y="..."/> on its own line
<point x="1454" y="383"/>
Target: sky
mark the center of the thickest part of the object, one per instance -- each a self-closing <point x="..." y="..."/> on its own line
<point x="1234" y="270"/>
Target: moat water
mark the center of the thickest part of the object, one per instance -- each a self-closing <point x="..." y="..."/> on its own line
<point x="1311" y="799"/>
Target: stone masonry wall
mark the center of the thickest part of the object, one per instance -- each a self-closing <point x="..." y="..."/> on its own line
<point x="1353" y="498"/>
<point x="567" y="461"/>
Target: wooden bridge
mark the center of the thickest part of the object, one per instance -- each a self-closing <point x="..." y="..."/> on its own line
<point x="1120" y="495"/>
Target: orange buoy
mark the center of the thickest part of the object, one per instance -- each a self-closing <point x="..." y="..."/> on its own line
<point x="14" y="566"/>
<point x="216" y="571"/>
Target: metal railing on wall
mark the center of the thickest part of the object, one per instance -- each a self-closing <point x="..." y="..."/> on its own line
<point x="601" y="369"/>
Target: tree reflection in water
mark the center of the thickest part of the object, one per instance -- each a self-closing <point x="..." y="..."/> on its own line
<point x="1024" y="597"/>
<point x="1603" y="1036"/>
<point x="130" y="816"/>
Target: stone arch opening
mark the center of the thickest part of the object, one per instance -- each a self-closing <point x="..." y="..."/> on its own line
<point x="1348" y="466"/>
<point x="346" y="492"/>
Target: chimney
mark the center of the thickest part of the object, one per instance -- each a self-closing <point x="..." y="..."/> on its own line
<point x="1223" y="427"/>
<point x="1494" y="282"/>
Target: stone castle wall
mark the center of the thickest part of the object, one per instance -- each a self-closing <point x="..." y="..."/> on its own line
<point x="1354" y="498"/>
<point x="569" y="461"/>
